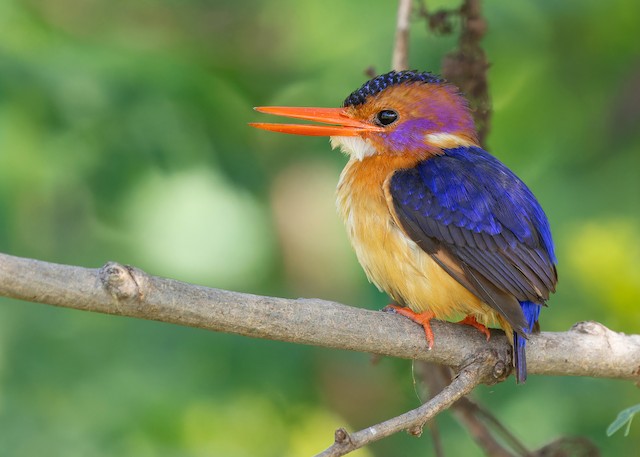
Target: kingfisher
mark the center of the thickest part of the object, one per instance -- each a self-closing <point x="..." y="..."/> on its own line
<point x="438" y="223"/>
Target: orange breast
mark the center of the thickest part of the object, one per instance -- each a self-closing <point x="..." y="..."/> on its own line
<point x="391" y="260"/>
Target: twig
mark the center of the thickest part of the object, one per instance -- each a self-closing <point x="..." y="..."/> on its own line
<point x="568" y="446"/>
<point x="470" y="414"/>
<point x="588" y="349"/>
<point x="485" y="367"/>
<point x="400" y="59"/>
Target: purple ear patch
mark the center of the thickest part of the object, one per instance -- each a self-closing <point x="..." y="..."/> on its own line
<point x="410" y="134"/>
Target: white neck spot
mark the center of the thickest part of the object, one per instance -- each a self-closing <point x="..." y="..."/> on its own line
<point x="447" y="140"/>
<point x="354" y="146"/>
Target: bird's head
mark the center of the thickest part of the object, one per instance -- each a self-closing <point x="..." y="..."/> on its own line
<point x="397" y="113"/>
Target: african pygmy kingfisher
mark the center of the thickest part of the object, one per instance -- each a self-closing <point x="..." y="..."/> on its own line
<point x="436" y="222"/>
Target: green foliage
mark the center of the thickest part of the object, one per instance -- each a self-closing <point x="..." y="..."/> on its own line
<point x="123" y="137"/>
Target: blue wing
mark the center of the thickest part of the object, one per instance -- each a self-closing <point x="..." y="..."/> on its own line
<point x="482" y="224"/>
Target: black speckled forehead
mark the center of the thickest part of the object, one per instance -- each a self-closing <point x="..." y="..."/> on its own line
<point x="380" y="83"/>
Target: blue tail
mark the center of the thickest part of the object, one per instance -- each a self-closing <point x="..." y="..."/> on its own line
<point x="531" y="313"/>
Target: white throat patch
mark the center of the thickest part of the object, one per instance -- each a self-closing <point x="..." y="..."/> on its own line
<point x="355" y="146"/>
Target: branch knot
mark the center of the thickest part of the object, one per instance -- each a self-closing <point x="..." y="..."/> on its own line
<point x="122" y="282"/>
<point x="342" y="437"/>
<point x="590" y="328"/>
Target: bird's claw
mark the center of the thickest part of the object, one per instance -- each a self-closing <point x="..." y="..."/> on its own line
<point x="424" y="319"/>
<point x="471" y="320"/>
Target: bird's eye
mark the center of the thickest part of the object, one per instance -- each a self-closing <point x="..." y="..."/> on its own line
<point x="386" y="117"/>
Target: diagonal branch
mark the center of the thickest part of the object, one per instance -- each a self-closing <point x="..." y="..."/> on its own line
<point x="478" y="421"/>
<point x="485" y="367"/>
<point x="588" y="349"/>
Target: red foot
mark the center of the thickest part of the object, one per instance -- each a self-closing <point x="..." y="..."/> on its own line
<point x="471" y="320"/>
<point x="423" y="319"/>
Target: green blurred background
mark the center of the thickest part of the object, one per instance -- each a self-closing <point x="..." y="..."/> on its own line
<point x="123" y="137"/>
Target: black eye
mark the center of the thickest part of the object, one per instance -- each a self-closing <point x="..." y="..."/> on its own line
<point x="386" y="117"/>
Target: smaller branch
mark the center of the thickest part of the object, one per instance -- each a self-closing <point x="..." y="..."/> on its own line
<point x="569" y="446"/>
<point x="400" y="59"/>
<point x="471" y="415"/>
<point x="486" y="367"/>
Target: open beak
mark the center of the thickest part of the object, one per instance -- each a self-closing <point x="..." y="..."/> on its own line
<point x="343" y="125"/>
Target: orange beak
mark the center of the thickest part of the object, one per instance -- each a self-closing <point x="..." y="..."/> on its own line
<point x="343" y="124"/>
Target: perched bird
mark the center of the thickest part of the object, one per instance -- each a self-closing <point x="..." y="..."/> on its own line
<point x="436" y="222"/>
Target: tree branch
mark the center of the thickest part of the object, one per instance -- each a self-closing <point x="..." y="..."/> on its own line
<point x="467" y="66"/>
<point x="477" y="421"/>
<point x="400" y="58"/>
<point x="468" y="413"/>
<point x="485" y="367"/>
<point x="588" y="349"/>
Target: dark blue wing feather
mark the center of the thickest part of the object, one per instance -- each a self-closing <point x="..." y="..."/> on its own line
<point x="469" y="204"/>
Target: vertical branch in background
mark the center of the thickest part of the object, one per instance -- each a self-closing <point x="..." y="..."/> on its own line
<point x="400" y="59"/>
<point x="467" y="66"/>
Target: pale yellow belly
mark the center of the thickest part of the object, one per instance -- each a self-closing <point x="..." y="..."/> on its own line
<point x="396" y="264"/>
